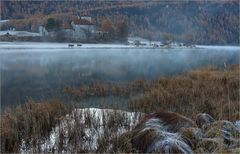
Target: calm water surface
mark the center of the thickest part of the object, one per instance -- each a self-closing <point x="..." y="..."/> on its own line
<point x="41" y="71"/>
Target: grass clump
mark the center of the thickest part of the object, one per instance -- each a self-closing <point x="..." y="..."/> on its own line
<point x="29" y="122"/>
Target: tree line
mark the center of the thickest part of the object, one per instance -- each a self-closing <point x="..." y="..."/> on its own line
<point x="189" y="21"/>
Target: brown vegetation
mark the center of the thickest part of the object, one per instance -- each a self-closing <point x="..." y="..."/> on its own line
<point x="200" y="22"/>
<point x="29" y="123"/>
<point x="157" y="133"/>
<point x="207" y="90"/>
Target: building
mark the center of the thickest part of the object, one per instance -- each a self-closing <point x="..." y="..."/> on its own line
<point x="87" y="18"/>
<point x="84" y="28"/>
<point x="68" y="31"/>
<point x="43" y="31"/>
<point x="80" y="29"/>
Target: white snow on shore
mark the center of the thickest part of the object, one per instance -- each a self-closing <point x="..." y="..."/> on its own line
<point x="23" y="46"/>
<point x="19" y="33"/>
<point x="219" y="47"/>
<point x="46" y="45"/>
<point x="3" y="21"/>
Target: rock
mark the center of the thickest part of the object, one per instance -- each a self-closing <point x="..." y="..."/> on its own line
<point x="203" y="119"/>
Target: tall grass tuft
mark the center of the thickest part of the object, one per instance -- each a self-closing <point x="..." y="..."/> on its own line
<point x="29" y="122"/>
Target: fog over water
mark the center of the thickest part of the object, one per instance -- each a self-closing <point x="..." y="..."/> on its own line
<point x="41" y="72"/>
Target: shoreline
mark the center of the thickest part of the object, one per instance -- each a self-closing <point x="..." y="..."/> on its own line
<point x="58" y="45"/>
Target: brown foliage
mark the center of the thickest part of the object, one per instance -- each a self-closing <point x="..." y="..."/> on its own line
<point x="207" y="90"/>
<point x="29" y="122"/>
<point x="107" y="26"/>
<point x="214" y="22"/>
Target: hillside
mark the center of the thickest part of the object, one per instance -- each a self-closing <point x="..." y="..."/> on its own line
<point x="188" y="21"/>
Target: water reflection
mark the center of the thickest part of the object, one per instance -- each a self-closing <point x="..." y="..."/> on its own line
<point x="42" y="73"/>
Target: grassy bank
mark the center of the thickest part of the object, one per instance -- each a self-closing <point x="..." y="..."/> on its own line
<point x="208" y="90"/>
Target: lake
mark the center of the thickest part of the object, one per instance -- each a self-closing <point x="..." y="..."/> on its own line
<point x="40" y="71"/>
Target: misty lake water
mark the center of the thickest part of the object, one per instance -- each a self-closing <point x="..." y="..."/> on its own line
<point x="40" y="71"/>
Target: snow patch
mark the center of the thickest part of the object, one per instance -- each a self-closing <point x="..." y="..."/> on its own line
<point x="19" y="33"/>
<point x="218" y="47"/>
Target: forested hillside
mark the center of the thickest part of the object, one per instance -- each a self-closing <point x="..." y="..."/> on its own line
<point x="201" y="22"/>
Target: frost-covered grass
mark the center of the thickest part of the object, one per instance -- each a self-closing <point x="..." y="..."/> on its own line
<point x="86" y="130"/>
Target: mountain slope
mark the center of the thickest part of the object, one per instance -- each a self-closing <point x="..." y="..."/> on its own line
<point x="202" y="22"/>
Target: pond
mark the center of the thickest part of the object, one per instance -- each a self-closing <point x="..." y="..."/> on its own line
<point x="40" y="71"/>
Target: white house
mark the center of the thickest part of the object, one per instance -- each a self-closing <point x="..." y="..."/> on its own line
<point x="78" y="30"/>
<point x="84" y="28"/>
<point x="68" y="30"/>
<point x="43" y="31"/>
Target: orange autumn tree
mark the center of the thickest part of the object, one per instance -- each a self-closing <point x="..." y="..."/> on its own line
<point x="108" y="26"/>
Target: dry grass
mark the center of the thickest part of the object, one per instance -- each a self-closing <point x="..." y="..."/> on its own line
<point x="207" y="90"/>
<point x="29" y="122"/>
